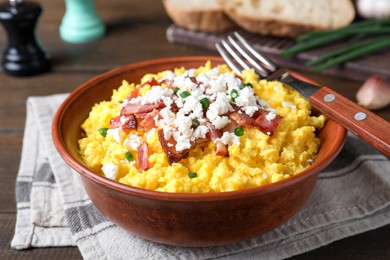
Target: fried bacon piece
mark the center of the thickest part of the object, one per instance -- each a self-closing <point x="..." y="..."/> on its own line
<point x="167" y="82"/>
<point x="135" y="93"/>
<point x="169" y="148"/>
<point x="242" y="119"/>
<point x="128" y="122"/>
<point x="259" y="121"/>
<point x="137" y="108"/>
<point x="230" y="127"/>
<point x="152" y="82"/>
<point x="147" y="120"/>
<point x="268" y="125"/>
<point x="143" y="157"/>
<point x="214" y="133"/>
<point x="222" y="149"/>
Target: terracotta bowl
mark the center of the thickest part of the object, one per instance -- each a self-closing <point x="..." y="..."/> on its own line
<point x="179" y="218"/>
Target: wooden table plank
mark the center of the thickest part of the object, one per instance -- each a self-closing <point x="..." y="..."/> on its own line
<point x="11" y="147"/>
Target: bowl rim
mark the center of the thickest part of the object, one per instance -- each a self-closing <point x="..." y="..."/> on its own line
<point x="59" y="143"/>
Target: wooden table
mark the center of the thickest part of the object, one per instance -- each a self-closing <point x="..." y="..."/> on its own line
<point x="135" y="31"/>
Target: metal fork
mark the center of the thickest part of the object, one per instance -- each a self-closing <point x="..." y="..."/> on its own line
<point x="240" y="55"/>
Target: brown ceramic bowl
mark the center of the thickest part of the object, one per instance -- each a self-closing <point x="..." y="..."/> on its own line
<point x="179" y="218"/>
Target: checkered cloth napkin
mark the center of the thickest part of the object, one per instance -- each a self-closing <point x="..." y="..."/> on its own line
<point x="351" y="196"/>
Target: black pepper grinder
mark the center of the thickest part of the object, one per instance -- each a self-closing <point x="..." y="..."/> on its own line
<point x="23" y="55"/>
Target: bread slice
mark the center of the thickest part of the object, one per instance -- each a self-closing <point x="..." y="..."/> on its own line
<point x="202" y="15"/>
<point x="289" y="17"/>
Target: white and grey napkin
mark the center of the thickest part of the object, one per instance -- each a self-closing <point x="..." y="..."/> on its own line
<point x="351" y="196"/>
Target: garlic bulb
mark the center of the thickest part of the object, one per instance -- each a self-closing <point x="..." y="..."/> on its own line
<point x="373" y="9"/>
<point x="374" y="93"/>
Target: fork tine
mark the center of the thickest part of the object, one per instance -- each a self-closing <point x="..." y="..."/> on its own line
<point x="270" y="64"/>
<point x="228" y="60"/>
<point x="235" y="55"/>
<point x="262" y="71"/>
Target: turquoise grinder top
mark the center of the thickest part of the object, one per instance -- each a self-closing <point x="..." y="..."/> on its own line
<point x="81" y="23"/>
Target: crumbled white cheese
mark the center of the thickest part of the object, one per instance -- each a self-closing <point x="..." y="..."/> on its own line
<point x="198" y="92"/>
<point x="223" y="83"/>
<point x="203" y="78"/>
<point x="232" y="81"/>
<point x="178" y="81"/>
<point x="191" y="104"/>
<point x="110" y="170"/>
<point x="168" y="132"/>
<point x="216" y="86"/>
<point x="229" y="139"/>
<point x="169" y="75"/>
<point x="246" y="97"/>
<point x="155" y="94"/>
<point x="188" y="84"/>
<point x="183" y="124"/>
<point x="200" y="132"/>
<point x="124" y="120"/>
<point x="179" y="102"/>
<point x="220" y="106"/>
<point x="136" y="100"/>
<point x="167" y="116"/>
<point x="133" y="141"/>
<point x="288" y="104"/>
<point x="167" y="101"/>
<point x="270" y="116"/>
<point x="183" y="143"/>
<point x="116" y="134"/>
<point x="263" y="104"/>
<point x="213" y="73"/>
<point x="250" y="110"/>
<point x="125" y="102"/>
<point x="190" y="73"/>
<point x="220" y="122"/>
<point x="179" y="125"/>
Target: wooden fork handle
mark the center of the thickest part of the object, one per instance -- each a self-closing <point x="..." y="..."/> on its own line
<point x="363" y="123"/>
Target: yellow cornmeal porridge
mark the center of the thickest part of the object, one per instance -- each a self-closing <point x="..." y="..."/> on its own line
<point x="200" y="130"/>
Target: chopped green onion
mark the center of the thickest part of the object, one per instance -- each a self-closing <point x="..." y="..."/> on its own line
<point x="233" y="95"/>
<point x="175" y="90"/>
<point x="195" y="123"/>
<point x="129" y="156"/>
<point x="103" y="131"/>
<point x="184" y="94"/>
<point x="192" y="175"/>
<point x="239" y="131"/>
<point x="205" y="103"/>
<point x="244" y="85"/>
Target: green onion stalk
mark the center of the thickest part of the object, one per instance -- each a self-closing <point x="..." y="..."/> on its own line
<point x="364" y="37"/>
